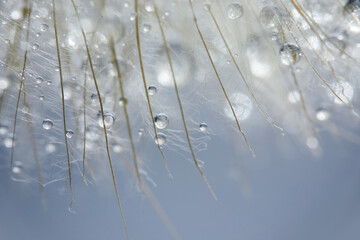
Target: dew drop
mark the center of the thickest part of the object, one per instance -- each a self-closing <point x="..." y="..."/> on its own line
<point x="161" y="121"/>
<point x="69" y="133"/>
<point x="322" y="115"/>
<point x="123" y="101"/>
<point x="289" y="54"/>
<point x="146" y="28"/>
<point x="47" y="124"/>
<point x="149" y="6"/>
<point x="235" y="10"/>
<point x="35" y="46"/>
<point x="161" y="139"/>
<point x="109" y="119"/>
<point x="3" y="129"/>
<point x="17" y="168"/>
<point x="203" y="127"/>
<point x="44" y="27"/>
<point x="4" y="83"/>
<point x="152" y="90"/>
<point x="8" y="142"/>
<point x="39" y="80"/>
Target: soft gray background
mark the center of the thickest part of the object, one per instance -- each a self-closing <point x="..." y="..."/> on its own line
<point x="284" y="193"/>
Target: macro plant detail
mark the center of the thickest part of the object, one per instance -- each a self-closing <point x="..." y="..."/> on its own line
<point x="87" y="87"/>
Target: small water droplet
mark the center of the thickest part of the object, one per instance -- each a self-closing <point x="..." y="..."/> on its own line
<point x="44" y="27"/>
<point x="47" y="124"/>
<point x="161" y="139"/>
<point x="35" y="46"/>
<point x="152" y="90"/>
<point x="203" y="127"/>
<point x="69" y="133"/>
<point x="123" y="101"/>
<point x="322" y="115"/>
<point x="235" y="10"/>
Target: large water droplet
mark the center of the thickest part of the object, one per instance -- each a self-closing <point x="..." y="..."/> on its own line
<point x="235" y="10"/>
<point x="161" y="121"/>
<point x="47" y="124"/>
<point x="289" y="54"/>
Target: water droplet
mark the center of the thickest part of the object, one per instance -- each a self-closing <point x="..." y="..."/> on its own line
<point x="203" y="127"/>
<point x="149" y="6"/>
<point x="4" y="83"/>
<point x="352" y="14"/>
<point x="270" y="17"/>
<point x="152" y="90"/>
<point x="109" y="119"/>
<point x="235" y="10"/>
<point x="146" y="28"/>
<point x="35" y="46"/>
<point x="123" y="101"/>
<point x="17" y="168"/>
<point x="69" y="133"/>
<point x="161" y="121"/>
<point x="39" y="80"/>
<point x="322" y="115"/>
<point x="3" y="129"/>
<point x="289" y="54"/>
<point x="161" y="139"/>
<point x="44" y="27"/>
<point x="141" y="131"/>
<point x="41" y="98"/>
<point x="47" y="124"/>
<point x="8" y="142"/>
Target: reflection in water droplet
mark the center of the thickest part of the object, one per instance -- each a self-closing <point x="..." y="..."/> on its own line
<point x="203" y="127"/>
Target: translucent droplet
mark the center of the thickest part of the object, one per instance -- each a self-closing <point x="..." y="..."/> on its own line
<point x="235" y="10"/>
<point x="109" y="119"/>
<point x="3" y="129"/>
<point x="149" y="6"/>
<point x="141" y="131"/>
<point x="322" y="115"/>
<point x="122" y="101"/>
<point x="44" y="27"/>
<point x="8" y="142"/>
<point x="146" y="28"/>
<point x="4" y="83"/>
<point x="17" y="168"/>
<point x="47" y="124"/>
<point x="289" y="54"/>
<point x="35" y="46"/>
<point x="39" y="80"/>
<point x="69" y="133"/>
<point x="203" y="127"/>
<point x="161" y="139"/>
<point x="352" y="14"/>
<point x="152" y="90"/>
<point x="41" y="98"/>
<point x="270" y="17"/>
<point x="161" y="121"/>
<point x="242" y="106"/>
